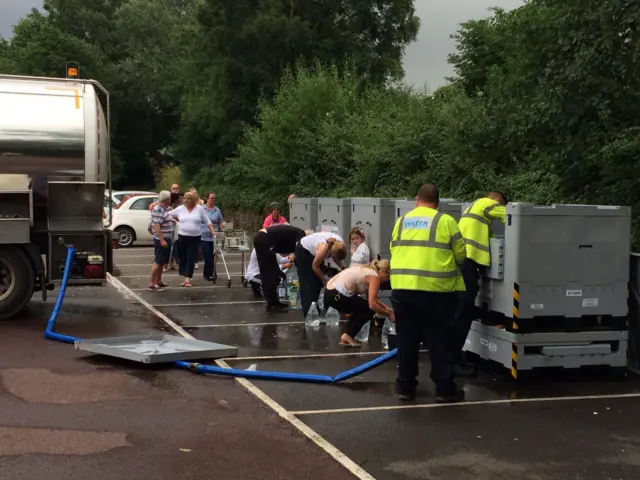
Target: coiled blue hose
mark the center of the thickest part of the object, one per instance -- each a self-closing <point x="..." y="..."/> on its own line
<point x="211" y="369"/>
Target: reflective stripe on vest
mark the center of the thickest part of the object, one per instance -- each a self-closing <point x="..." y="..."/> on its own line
<point x="476" y="237"/>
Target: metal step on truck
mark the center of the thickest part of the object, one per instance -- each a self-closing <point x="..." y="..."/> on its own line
<point x="54" y="168"/>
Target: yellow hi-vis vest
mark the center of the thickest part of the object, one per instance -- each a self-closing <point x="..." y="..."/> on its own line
<point x="475" y="226"/>
<point x="426" y="249"/>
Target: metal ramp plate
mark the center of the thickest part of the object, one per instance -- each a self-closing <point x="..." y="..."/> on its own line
<point x="156" y="348"/>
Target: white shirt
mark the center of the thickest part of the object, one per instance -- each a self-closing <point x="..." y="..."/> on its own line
<point x="190" y="222"/>
<point x="361" y="256"/>
<point x="253" y="269"/>
<point x="311" y="242"/>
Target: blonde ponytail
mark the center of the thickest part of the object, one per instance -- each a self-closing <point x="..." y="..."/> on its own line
<point x="378" y="265"/>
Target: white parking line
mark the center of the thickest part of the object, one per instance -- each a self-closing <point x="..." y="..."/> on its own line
<point x="121" y="265"/>
<point x="311" y="355"/>
<point x="308" y="432"/>
<point x="204" y="304"/>
<point x="175" y="274"/>
<point x="150" y="254"/>
<point x="208" y="287"/>
<point x="467" y="404"/>
<point x="243" y="325"/>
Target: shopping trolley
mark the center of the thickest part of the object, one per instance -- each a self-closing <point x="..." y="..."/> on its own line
<point x="230" y="240"/>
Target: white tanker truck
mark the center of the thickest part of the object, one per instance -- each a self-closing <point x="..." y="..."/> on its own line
<point x="54" y="167"/>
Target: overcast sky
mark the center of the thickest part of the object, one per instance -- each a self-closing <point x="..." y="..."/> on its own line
<point x="425" y="60"/>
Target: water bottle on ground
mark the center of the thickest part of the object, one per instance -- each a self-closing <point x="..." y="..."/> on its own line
<point x="293" y="295"/>
<point x="321" y="301"/>
<point x="313" y="317"/>
<point x="282" y="290"/>
<point x="332" y="317"/>
<point x="388" y="328"/>
<point x="363" y="334"/>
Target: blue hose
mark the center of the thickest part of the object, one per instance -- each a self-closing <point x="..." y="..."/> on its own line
<point x="210" y="369"/>
<point x="48" y="333"/>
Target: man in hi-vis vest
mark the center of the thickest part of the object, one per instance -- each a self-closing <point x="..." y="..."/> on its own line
<point x="426" y="251"/>
<point x="475" y="226"/>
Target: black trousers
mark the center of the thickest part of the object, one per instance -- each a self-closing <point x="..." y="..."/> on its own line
<point x="425" y="317"/>
<point x="269" y="269"/>
<point x="357" y="306"/>
<point x="310" y="284"/>
<point x="466" y="304"/>
<point x="188" y="251"/>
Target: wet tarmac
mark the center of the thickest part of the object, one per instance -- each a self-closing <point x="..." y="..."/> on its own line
<point x="164" y="423"/>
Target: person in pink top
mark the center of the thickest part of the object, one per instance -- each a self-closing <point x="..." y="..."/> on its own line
<point x="275" y="218"/>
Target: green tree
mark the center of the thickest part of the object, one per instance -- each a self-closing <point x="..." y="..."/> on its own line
<point x="249" y="44"/>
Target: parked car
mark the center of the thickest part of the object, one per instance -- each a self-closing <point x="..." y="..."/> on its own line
<point x="115" y="197"/>
<point x="131" y="219"/>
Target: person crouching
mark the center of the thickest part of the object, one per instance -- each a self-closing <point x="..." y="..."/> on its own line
<point x="343" y="293"/>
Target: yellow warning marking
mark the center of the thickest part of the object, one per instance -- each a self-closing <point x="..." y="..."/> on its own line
<point x="76" y="93"/>
<point x="516" y="296"/>
<point x="514" y="373"/>
<point x="514" y="325"/>
<point x="516" y="312"/>
<point x="514" y="356"/>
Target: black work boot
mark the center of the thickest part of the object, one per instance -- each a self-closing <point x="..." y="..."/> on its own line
<point x="450" y="397"/>
<point x="278" y="307"/>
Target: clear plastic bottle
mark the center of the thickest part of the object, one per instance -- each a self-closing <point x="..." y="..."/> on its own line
<point x="332" y="317"/>
<point x="313" y="317"/>
<point x="293" y="295"/>
<point x="321" y="301"/>
<point x="363" y="334"/>
<point x="283" y="290"/>
<point x="388" y="328"/>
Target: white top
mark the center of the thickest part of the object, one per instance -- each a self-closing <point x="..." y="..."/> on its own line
<point x="311" y="242"/>
<point x="190" y="222"/>
<point x="253" y="269"/>
<point x="351" y="281"/>
<point x="361" y="256"/>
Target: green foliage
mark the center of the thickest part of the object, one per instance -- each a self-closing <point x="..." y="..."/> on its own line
<point x="167" y="176"/>
<point x="247" y="45"/>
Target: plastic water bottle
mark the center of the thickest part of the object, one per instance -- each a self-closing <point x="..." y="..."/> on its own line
<point x="282" y="289"/>
<point x="293" y="295"/>
<point x="332" y="317"/>
<point x="321" y="301"/>
<point x="363" y="334"/>
<point x="388" y="328"/>
<point x="313" y="317"/>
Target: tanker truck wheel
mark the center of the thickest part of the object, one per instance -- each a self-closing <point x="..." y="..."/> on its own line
<point x="126" y="235"/>
<point x="17" y="280"/>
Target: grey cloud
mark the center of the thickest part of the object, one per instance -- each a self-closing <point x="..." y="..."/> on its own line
<point x="425" y="60"/>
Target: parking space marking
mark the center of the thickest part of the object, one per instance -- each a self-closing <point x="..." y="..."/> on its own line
<point x="307" y="431"/>
<point x="208" y="287"/>
<point x="204" y="304"/>
<point x="467" y="404"/>
<point x="122" y="265"/>
<point x="175" y="274"/>
<point x="311" y="355"/>
<point x="244" y="324"/>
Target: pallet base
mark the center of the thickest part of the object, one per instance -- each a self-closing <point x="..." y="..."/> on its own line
<point x="524" y="352"/>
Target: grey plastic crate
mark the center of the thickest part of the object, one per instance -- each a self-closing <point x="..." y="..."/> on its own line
<point x="334" y="214"/>
<point x="376" y="216"/>
<point x="303" y="213"/>
<point x="450" y="206"/>
<point x="560" y="260"/>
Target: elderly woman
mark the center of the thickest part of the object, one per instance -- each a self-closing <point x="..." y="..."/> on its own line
<point x="310" y="255"/>
<point x="274" y="218"/>
<point x="191" y="217"/>
<point x="207" y="241"/>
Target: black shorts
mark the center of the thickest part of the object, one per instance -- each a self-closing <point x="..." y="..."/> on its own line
<point x="161" y="254"/>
